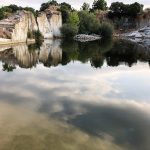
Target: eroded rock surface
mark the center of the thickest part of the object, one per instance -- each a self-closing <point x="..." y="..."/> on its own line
<point x="50" y="22"/>
<point x="141" y="36"/>
<point x="16" y="27"/>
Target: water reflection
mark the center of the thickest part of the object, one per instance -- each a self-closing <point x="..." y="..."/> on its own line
<point x="53" y="53"/>
<point x="73" y="106"/>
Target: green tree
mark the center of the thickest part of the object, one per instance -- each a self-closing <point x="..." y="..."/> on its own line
<point x="1" y="14"/>
<point x="73" y="19"/>
<point x="88" y="23"/>
<point x="65" y="9"/>
<point x="69" y="31"/>
<point x="85" y="6"/>
<point x="135" y="9"/>
<point x="119" y="9"/>
<point x="99" y="5"/>
<point x="31" y="10"/>
<point x="106" y="30"/>
<point x="8" y="67"/>
<point x="46" y="5"/>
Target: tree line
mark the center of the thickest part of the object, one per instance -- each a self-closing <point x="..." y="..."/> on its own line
<point x="85" y="20"/>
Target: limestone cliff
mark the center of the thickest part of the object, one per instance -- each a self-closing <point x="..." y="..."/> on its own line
<point x="50" y="22"/>
<point x="16" y="27"/>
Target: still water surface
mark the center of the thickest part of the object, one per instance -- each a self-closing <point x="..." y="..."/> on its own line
<point x="73" y="96"/>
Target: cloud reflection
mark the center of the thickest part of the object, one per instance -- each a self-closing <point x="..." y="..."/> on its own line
<point x="96" y="108"/>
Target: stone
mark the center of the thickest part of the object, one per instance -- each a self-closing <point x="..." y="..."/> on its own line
<point x="50" y="22"/>
<point x="141" y="36"/>
<point x="86" y="38"/>
<point x="15" y="28"/>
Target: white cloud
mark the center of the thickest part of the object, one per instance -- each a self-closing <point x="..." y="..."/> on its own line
<point x="76" y="4"/>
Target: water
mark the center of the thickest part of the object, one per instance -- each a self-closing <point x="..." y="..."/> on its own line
<point x="69" y="96"/>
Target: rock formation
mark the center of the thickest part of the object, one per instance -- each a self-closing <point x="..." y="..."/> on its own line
<point x="141" y="36"/>
<point x="15" y="28"/>
<point x="49" y="22"/>
<point x="143" y="19"/>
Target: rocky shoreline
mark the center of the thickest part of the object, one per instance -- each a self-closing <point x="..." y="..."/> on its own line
<point x="141" y="36"/>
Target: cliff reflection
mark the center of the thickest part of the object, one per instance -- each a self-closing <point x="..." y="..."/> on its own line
<point x="53" y="53"/>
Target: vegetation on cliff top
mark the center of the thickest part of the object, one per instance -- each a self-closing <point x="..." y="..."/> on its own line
<point x="84" y="21"/>
<point x="6" y="11"/>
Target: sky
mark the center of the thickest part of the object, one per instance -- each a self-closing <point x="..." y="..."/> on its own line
<point x="75" y="3"/>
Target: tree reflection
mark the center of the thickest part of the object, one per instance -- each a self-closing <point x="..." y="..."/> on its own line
<point x="8" y="67"/>
<point x="55" y="52"/>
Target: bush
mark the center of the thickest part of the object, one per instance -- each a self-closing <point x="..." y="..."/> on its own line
<point x="88" y="23"/>
<point x="1" y="14"/>
<point x="37" y="36"/>
<point x="73" y="19"/>
<point x="106" y="30"/>
<point x="69" y="31"/>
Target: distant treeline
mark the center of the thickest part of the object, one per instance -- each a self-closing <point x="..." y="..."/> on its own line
<point x="84" y="21"/>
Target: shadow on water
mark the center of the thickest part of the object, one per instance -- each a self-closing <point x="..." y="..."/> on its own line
<point x="53" y="53"/>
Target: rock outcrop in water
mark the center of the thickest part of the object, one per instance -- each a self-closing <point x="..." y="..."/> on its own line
<point x="86" y="38"/>
<point x="15" y="28"/>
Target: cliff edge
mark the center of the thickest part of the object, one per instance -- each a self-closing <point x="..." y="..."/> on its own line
<point x="15" y="28"/>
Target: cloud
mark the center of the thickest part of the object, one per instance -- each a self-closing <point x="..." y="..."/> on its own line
<point x="76" y="4"/>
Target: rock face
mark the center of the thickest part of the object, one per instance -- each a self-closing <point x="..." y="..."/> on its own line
<point x="50" y="22"/>
<point x="143" y="19"/>
<point x="15" y="28"/>
<point x="141" y="36"/>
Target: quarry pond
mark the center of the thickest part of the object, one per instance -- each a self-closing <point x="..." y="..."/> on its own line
<point x="67" y="95"/>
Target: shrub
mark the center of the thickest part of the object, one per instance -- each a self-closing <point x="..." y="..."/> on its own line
<point x="99" y="5"/>
<point x="69" y="31"/>
<point x="73" y="19"/>
<point x="106" y="30"/>
<point x="37" y="36"/>
<point x="88" y="23"/>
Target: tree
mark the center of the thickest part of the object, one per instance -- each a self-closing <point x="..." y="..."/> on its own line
<point x="106" y="30"/>
<point x="69" y="31"/>
<point x="85" y="6"/>
<point x="135" y="9"/>
<point x="8" y="67"/>
<point x="99" y="5"/>
<point x="14" y="8"/>
<point x="46" y="5"/>
<point x="65" y="9"/>
<point x="31" y="10"/>
<point x="120" y="9"/>
<point x="73" y="19"/>
<point x="66" y="5"/>
<point x="88" y="23"/>
<point x="1" y="14"/>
